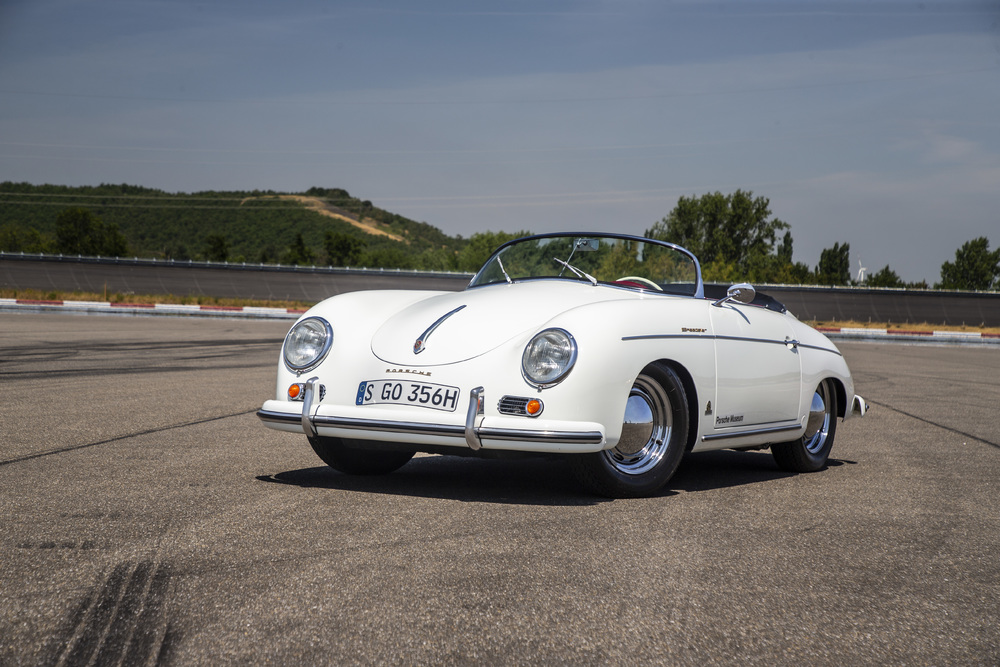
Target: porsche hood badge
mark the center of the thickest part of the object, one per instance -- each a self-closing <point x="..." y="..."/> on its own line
<point x="418" y="345"/>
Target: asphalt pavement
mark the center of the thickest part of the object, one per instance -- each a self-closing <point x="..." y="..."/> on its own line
<point x="147" y="517"/>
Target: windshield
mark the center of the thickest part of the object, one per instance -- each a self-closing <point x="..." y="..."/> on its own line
<point x="620" y="261"/>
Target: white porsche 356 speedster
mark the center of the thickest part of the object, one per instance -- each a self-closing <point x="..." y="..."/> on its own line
<point x="605" y="348"/>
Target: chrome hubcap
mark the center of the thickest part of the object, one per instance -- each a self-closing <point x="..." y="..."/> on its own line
<point x="638" y="425"/>
<point x="646" y="430"/>
<point x="818" y="425"/>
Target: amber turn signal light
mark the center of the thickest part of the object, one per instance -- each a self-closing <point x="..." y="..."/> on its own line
<point x="533" y="407"/>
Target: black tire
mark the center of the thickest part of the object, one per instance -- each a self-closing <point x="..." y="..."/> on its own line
<point x="811" y="452"/>
<point x="653" y="441"/>
<point x="340" y="455"/>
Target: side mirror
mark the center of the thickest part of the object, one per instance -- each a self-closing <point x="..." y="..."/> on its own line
<point x="742" y="293"/>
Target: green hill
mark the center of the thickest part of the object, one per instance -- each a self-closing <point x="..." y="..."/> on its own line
<point x="318" y="226"/>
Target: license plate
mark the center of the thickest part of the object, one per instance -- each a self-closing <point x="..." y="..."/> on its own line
<point x="420" y="394"/>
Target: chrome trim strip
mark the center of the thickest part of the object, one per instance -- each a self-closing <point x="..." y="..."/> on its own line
<point x="731" y="338"/>
<point x="668" y="336"/>
<point x="756" y="431"/>
<point x="418" y="345"/>
<point x="744" y="339"/>
<point x="365" y="424"/>
<point x="475" y="405"/>
<point x="820" y="349"/>
<point x="563" y="437"/>
<point x="447" y="430"/>
<point x="277" y="417"/>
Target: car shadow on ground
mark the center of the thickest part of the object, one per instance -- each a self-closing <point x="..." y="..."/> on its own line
<point x="705" y="471"/>
<point x="529" y="481"/>
<point x="532" y="481"/>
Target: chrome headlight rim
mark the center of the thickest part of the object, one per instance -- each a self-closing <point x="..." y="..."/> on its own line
<point x="325" y="328"/>
<point x="563" y="372"/>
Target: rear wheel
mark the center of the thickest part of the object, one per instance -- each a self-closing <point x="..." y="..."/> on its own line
<point x="340" y="455"/>
<point x="811" y="452"/>
<point x="654" y="435"/>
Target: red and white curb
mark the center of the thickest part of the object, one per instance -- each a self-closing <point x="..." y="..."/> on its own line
<point x="107" y="307"/>
<point x="904" y="334"/>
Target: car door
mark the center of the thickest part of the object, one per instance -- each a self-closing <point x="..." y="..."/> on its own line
<point x="758" y="368"/>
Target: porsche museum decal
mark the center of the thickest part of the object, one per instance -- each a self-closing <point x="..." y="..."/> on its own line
<point x="728" y="420"/>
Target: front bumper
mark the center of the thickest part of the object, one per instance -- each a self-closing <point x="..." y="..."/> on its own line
<point x="477" y="431"/>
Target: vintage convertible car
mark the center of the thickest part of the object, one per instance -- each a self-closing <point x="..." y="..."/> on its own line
<point x="604" y="348"/>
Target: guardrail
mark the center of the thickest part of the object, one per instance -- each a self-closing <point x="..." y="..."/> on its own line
<point x="888" y="306"/>
<point x="314" y="283"/>
<point x="125" y="276"/>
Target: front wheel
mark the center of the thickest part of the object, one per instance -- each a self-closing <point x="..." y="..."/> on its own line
<point x="654" y="435"/>
<point x="340" y="455"/>
<point x="810" y="452"/>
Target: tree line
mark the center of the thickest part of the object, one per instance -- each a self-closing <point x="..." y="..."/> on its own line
<point x="735" y="236"/>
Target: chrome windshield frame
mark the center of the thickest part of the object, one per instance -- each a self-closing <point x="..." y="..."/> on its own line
<point x="699" y="286"/>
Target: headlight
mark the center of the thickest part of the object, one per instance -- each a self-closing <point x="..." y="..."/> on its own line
<point x="548" y="357"/>
<point x="307" y="344"/>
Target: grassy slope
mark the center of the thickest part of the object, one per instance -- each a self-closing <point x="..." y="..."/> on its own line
<point x="255" y="224"/>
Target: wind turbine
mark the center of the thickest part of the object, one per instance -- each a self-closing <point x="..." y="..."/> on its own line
<point x="862" y="273"/>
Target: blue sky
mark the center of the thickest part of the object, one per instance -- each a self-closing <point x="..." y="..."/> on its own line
<point x="871" y="123"/>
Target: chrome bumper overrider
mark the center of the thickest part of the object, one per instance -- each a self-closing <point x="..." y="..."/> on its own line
<point x="859" y="406"/>
<point x="308" y="396"/>
<point x="475" y="407"/>
<point x="472" y="434"/>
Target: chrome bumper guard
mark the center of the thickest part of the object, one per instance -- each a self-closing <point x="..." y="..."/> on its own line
<point x="475" y="409"/>
<point x="310" y="393"/>
<point x="859" y="406"/>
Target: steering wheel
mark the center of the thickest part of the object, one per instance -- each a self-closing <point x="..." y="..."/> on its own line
<point x="640" y="280"/>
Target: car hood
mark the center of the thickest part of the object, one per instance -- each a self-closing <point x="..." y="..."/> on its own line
<point x="458" y="326"/>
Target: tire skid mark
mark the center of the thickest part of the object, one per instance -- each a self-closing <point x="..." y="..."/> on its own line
<point x="22" y="362"/>
<point x="941" y="426"/>
<point x="122" y="370"/>
<point x="124" y="622"/>
<point x="147" y="638"/>
<point x="86" y="637"/>
<point x="53" y="647"/>
<point x="120" y="630"/>
<point x="31" y="352"/>
<point x="127" y="436"/>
